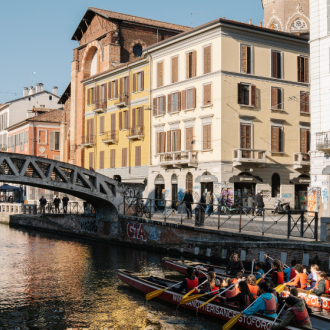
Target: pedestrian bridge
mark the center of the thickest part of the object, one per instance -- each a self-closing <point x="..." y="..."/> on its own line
<point x="97" y="189"/>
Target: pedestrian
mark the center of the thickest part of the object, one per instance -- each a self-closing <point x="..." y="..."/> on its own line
<point x="57" y="202"/>
<point x="65" y="201"/>
<point x="260" y="202"/>
<point x="235" y="265"/>
<point x="250" y="203"/>
<point x="256" y="202"/>
<point x="43" y="203"/>
<point x="208" y="203"/>
<point x="188" y="199"/>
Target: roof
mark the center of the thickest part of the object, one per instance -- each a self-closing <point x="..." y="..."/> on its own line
<point x="107" y="14"/>
<point x="66" y="94"/>
<point x="224" y="21"/>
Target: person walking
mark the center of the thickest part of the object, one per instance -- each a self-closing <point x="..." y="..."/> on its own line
<point x="65" y="201"/>
<point x="260" y="202"/>
<point x="57" y="202"/>
<point x="256" y="202"/>
<point x="43" y="203"/>
<point x="208" y="200"/>
<point x="250" y="204"/>
<point x="188" y="199"/>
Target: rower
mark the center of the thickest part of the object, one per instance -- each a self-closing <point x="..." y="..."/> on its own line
<point x="235" y="265"/>
<point x="210" y="284"/>
<point x="231" y="292"/>
<point x="242" y="299"/>
<point x="252" y="284"/>
<point x="277" y="274"/>
<point x="322" y="284"/>
<point x="275" y="293"/>
<point x="294" y="293"/>
<point x="313" y="276"/>
<point x="265" y="304"/>
<point x="300" y="281"/>
<point x="260" y="272"/>
<point x="289" y="272"/>
<point x="296" y="314"/>
<point x="189" y="283"/>
<point x="239" y="276"/>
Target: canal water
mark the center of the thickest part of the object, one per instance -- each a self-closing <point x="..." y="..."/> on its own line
<point x="49" y="281"/>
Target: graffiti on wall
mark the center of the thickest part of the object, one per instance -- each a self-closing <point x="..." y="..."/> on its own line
<point x="325" y="196"/>
<point x="136" y="231"/>
<point x="181" y="194"/>
<point x="314" y="196"/>
<point x="88" y="225"/>
<point x="130" y="195"/>
<point x="196" y="193"/>
<point x="154" y="234"/>
<point x="227" y="195"/>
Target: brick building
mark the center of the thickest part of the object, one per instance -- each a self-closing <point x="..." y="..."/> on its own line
<point x="106" y="39"/>
<point x="287" y="15"/>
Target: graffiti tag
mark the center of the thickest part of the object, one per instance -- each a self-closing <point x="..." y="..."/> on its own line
<point x="286" y="195"/>
<point x="136" y="231"/>
<point x="325" y="196"/>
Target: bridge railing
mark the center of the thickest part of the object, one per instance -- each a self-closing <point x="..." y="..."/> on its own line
<point x="221" y="216"/>
<point x="11" y="208"/>
<point x="72" y="208"/>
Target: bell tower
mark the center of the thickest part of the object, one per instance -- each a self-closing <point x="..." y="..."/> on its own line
<point x="287" y="15"/>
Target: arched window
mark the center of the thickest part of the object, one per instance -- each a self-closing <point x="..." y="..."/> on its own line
<point x="276" y="185"/>
<point x="189" y="182"/>
<point x="299" y="25"/>
<point x="276" y="26"/>
<point x="206" y="173"/>
<point x="159" y="179"/>
<point x="94" y="64"/>
<point x="174" y="179"/>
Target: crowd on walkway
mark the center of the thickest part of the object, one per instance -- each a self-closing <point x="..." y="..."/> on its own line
<point x="56" y="202"/>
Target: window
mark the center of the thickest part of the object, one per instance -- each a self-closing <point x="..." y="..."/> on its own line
<point x="126" y="117"/>
<point x="246" y="59"/>
<point x="207" y="137"/>
<point x="247" y="94"/>
<point x="191" y="64"/>
<point x="277" y="133"/>
<point x="161" y="142"/>
<point x="174" y="140"/>
<point x="137" y="50"/>
<point x="160" y="74"/>
<point x="101" y="159"/>
<point x="175" y="69"/>
<point x="189" y="138"/>
<point x="207" y="59"/>
<point x="102" y="125"/>
<point x="276" y="185"/>
<point x="29" y="98"/>
<point x="174" y="102"/>
<point x="54" y="140"/>
<point x="137" y="156"/>
<point x="26" y="138"/>
<point x="189" y="182"/>
<point x="112" y="158"/>
<point x="50" y="97"/>
<point x="42" y="137"/>
<point x="138" y="82"/>
<point x="92" y="95"/>
<point x="113" y="89"/>
<point x="91" y="160"/>
<point x="277" y="98"/>
<point x="207" y="94"/>
<point x="159" y="106"/>
<point x="189" y="99"/>
<point x="276" y="64"/>
<point x="304" y="140"/>
<point x="124" y="157"/>
<point x="89" y="138"/>
<point x="103" y="92"/>
<point x="303" y="69"/>
<point x="246" y="140"/>
<point x="57" y="140"/>
<point x="304" y="102"/>
<point x="123" y="89"/>
<point x="113" y="123"/>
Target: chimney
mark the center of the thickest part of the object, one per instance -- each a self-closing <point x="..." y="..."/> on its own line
<point x="55" y="90"/>
<point x="31" y="91"/>
<point x="40" y="87"/>
<point x="25" y="91"/>
<point x="260" y="24"/>
<point x="272" y="26"/>
<point x="250" y="21"/>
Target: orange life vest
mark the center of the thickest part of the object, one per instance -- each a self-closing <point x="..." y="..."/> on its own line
<point x="191" y="284"/>
<point x="215" y="292"/>
<point x="301" y="317"/>
<point x="280" y="277"/>
<point x="302" y="281"/>
<point x="327" y="284"/>
<point x="235" y="280"/>
<point x="231" y="293"/>
<point x="253" y="290"/>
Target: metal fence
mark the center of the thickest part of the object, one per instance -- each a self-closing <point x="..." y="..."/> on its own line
<point x="72" y="208"/>
<point x="293" y="223"/>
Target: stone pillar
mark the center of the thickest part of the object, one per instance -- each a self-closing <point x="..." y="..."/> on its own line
<point x="73" y="106"/>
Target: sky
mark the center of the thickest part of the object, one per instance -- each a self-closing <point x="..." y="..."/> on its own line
<point x="35" y="35"/>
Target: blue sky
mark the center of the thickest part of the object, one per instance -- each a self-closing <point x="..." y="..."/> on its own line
<point x="36" y="34"/>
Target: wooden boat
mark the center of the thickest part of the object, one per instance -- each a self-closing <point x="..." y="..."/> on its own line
<point x="214" y="309"/>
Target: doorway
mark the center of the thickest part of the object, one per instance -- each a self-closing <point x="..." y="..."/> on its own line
<point x="206" y="187"/>
<point x="276" y="185"/>
<point x="174" y="182"/>
<point x="160" y="191"/>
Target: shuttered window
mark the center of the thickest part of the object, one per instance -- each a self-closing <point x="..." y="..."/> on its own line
<point x="101" y="159"/>
<point x="304" y="102"/>
<point x="26" y="138"/>
<point x="113" y="122"/>
<point x="91" y="160"/>
<point x="124" y="157"/>
<point x="159" y="105"/>
<point x="191" y="68"/>
<point x="276" y="64"/>
<point x="88" y="96"/>
<point x="174" y="140"/>
<point x="190" y="98"/>
<point x="303" y="69"/>
<point x="112" y="158"/>
<point x="207" y="59"/>
<point x="102" y="125"/>
<point x="277" y="98"/>
<point x="42" y="138"/>
<point x="304" y="140"/>
<point x="92" y="95"/>
<point x="246" y="60"/>
<point x="174" y="102"/>
<point x="161" y="140"/>
<point x="247" y="94"/>
<point x="245" y="140"/>
<point x="207" y="137"/>
<point x="276" y="139"/>
<point x="175" y="69"/>
<point x="120" y="114"/>
<point x="54" y="140"/>
<point x="160" y="74"/>
<point x="138" y="82"/>
<point x="207" y="94"/>
<point x="137" y="156"/>
<point x="189" y="138"/>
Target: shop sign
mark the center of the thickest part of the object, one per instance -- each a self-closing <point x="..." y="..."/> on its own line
<point x="246" y="179"/>
<point x="207" y="178"/>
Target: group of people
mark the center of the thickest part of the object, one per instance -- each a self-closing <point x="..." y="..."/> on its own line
<point x="57" y="202"/>
<point x="256" y="203"/>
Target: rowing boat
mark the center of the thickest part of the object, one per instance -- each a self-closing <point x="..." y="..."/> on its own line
<point x="214" y="309"/>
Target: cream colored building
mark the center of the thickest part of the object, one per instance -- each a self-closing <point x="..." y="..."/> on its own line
<point x="230" y="110"/>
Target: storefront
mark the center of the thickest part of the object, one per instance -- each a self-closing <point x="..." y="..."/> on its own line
<point x="301" y="184"/>
<point x="207" y="181"/>
<point x="160" y="191"/>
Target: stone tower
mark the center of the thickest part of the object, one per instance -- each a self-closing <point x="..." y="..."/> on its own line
<point x="287" y="15"/>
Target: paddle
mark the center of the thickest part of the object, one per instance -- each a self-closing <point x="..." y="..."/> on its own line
<point x="279" y="289"/>
<point x="308" y="293"/>
<point x="156" y="293"/>
<point x="258" y="281"/>
<point x="283" y="263"/>
<point x="278" y="315"/>
<point x="252" y="267"/>
<point x="190" y="292"/>
<point x="232" y="322"/>
<point x="216" y="296"/>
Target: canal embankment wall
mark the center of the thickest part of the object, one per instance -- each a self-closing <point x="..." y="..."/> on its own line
<point x="179" y="240"/>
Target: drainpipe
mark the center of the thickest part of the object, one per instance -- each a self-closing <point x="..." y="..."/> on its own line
<point x="94" y="129"/>
<point x="150" y="107"/>
<point x="129" y="111"/>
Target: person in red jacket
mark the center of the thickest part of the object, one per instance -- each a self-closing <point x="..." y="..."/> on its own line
<point x="277" y="274"/>
<point x="189" y="283"/>
<point x="300" y="281"/>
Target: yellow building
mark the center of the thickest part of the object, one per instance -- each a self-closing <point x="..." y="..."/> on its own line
<point x="117" y="120"/>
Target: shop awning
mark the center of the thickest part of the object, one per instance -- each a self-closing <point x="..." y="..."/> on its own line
<point x="326" y="170"/>
<point x="206" y="178"/>
<point x="7" y="187"/>
<point x="245" y="178"/>
<point x="301" y="180"/>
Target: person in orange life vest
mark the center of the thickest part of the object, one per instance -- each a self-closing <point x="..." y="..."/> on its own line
<point x="294" y="293"/>
<point x="289" y="272"/>
<point x="296" y="314"/>
<point x="242" y="299"/>
<point x="239" y="276"/>
<point x="312" y="278"/>
<point x="300" y="281"/>
<point x="265" y="303"/>
<point x="210" y="284"/>
<point x="226" y="283"/>
<point x="259" y="270"/>
<point x="277" y="274"/>
<point x="252" y="284"/>
<point x="190" y="282"/>
<point x="322" y="284"/>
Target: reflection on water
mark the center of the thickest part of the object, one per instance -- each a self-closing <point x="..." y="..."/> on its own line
<point x="51" y="282"/>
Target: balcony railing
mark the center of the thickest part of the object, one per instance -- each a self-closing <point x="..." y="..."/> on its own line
<point x="123" y="100"/>
<point x="87" y="141"/>
<point x="3" y="147"/>
<point x="136" y="133"/>
<point x="242" y="155"/>
<point x="323" y="141"/>
<point x="301" y="159"/>
<point x="100" y="106"/>
<point x="110" y="137"/>
<point x="179" y="159"/>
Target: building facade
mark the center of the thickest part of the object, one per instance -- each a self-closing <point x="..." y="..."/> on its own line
<point x="117" y="122"/>
<point x="230" y="114"/>
<point x="290" y="16"/>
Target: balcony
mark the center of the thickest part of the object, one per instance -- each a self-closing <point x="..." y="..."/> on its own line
<point x="110" y="137"/>
<point x="242" y="155"/>
<point x="323" y="141"/>
<point x="3" y="147"/>
<point x="123" y="100"/>
<point x="100" y="106"/>
<point x="87" y="141"/>
<point x="136" y="133"/>
<point x="178" y="159"/>
<point x="301" y="159"/>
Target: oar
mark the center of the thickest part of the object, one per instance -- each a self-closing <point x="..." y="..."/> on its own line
<point x="258" y="281"/>
<point x="283" y="263"/>
<point x="190" y="292"/>
<point x="232" y="322"/>
<point x="216" y="296"/>
<point x="156" y="293"/>
<point x="278" y="315"/>
<point x="252" y="267"/>
<point x="308" y="293"/>
<point x="279" y="289"/>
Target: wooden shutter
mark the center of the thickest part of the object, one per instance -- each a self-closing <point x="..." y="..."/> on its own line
<point x="91" y="159"/>
<point x="102" y="124"/>
<point x="112" y="158"/>
<point x="88" y="96"/>
<point x="207" y="59"/>
<point x="116" y="89"/>
<point x="142" y="80"/>
<point x="92" y="130"/>
<point x="113" y="122"/>
<point x="88" y="127"/>
<point x="133" y="118"/>
<point x="137" y="156"/>
<point x="162" y="139"/>
<point x="178" y="140"/>
<point x="178" y="101"/>
<point x="307" y="102"/>
<point x="141" y="116"/>
<point x="121" y="90"/>
<point x="97" y="93"/>
<point x="124" y="157"/>
<point x="189" y="138"/>
<point x="183" y="100"/>
<point x="187" y="65"/>
<point x="109" y="91"/>
<point x="154" y="110"/>
<point x="207" y="94"/>
<point x="52" y="140"/>
<point x="127" y="117"/>
<point x="175" y="69"/>
<point x="253" y="95"/>
<point x="275" y="101"/>
<point x="274" y="65"/>
<point x="194" y="97"/>
<point x="134" y="82"/>
<point x="169" y="141"/>
<point x="206" y="137"/>
<point x="101" y="159"/>
<point x="244" y="59"/>
<point x="104" y="92"/>
<point x="127" y="80"/>
<point x="120" y="114"/>
<point x="303" y="140"/>
<point x="194" y="63"/>
<point x="239" y="94"/>
<point x="306" y="70"/>
<point x="299" y="75"/>
<point x="158" y="136"/>
<point x="169" y="103"/>
<point x="164" y="105"/>
<point x="276" y="139"/>
<point x="159" y="74"/>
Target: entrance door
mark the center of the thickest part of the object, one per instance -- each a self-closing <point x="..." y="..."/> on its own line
<point x="160" y="195"/>
<point x="206" y="187"/>
<point x="174" y="196"/>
